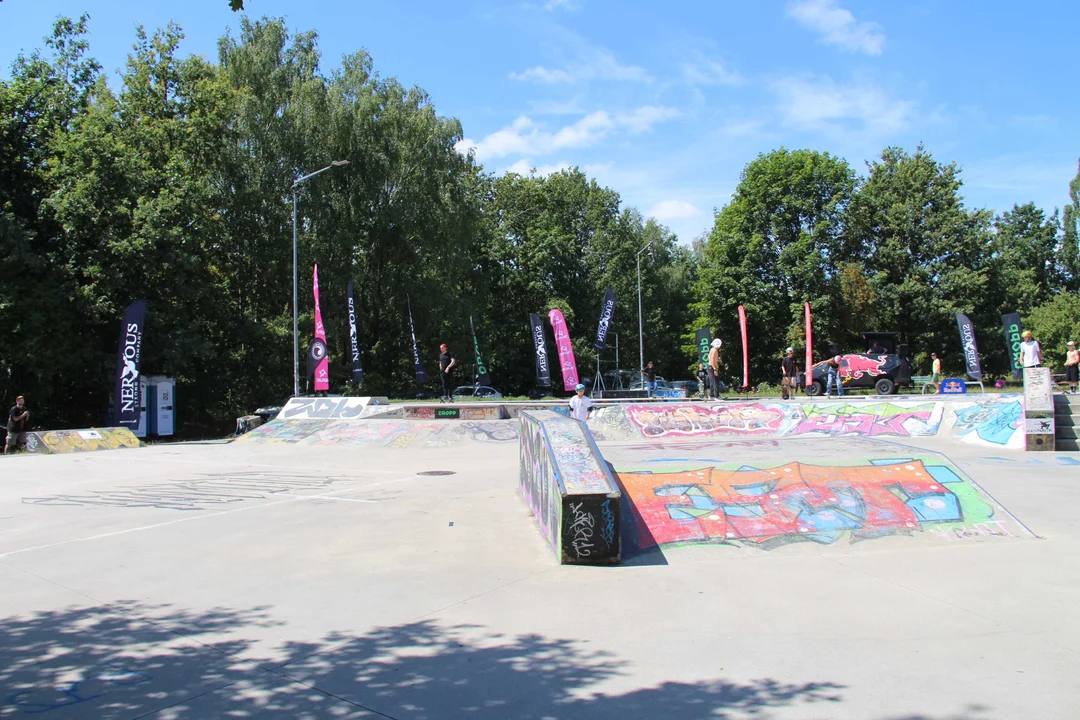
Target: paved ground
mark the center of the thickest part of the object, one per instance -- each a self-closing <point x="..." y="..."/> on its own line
<point x="273" y="580"/>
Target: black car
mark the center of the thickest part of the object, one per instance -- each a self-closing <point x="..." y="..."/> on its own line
<point x="885" y="367"/>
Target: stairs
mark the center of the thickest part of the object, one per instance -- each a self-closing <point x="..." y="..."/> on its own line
<point x="1067" y="422"/>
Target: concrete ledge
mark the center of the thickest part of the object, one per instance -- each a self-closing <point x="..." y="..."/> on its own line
<point x="445" y="411"/>
<point x="247" y="423"/>
<point x="47" y="442"/>
<point x="328" y="408"/>
<point x="570" y="489"/>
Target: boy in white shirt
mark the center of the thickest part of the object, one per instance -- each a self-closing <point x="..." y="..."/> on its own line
<point x="580" y="406"/>
<point x="1030" y="351"/>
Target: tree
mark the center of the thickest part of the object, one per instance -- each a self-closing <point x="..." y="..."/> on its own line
<point x="1054" y="324"/>
<point x="926" y="255"/>
<point x="778" y="244"/>
<point x="1070" y="245"/>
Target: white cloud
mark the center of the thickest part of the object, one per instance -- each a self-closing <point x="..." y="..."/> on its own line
<point x="592" y="63"/>
<point x="813" y="102"/>
<point x="838" y="26"/>
<point x="560" y="5"/>
<point x="525" y="166"/>
<point x="527" y="139"/>
<point x="710" y="72"/>
<point x="673" y="210"/>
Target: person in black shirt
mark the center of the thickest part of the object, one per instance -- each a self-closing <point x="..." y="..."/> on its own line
<point x="446" y="372"/>
<point x="18" y="417"/>
<point x="703" y="380"/>
<point x="650" y="378"/>
<point x="789" y="374"/>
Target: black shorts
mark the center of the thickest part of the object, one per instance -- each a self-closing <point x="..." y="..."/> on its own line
<point x="1072" y="373"/>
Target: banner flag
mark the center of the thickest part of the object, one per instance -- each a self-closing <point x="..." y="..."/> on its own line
<point x="745" y="349"/>
<point x="702" y="340"/>
<point x="1013" y="329"/>
<point x="322" y="364"/>
<point x="482" y="376"/>
<point x="418" y="367"/>
<point x="543" y="371"/>
<point x="809" y="348"/>
<point x="607" y="314"/>
<point x="354" y="341"/>
<point x="129" y="399"/>
<point x="566" y="350"/>
<point x="967" y="341"/>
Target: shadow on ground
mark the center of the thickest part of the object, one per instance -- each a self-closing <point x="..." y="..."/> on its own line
<point x="132" y="660"/>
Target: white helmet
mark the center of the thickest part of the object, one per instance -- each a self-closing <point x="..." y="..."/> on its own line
<point x="790" y="349"/>
<point x="717" y="342"/>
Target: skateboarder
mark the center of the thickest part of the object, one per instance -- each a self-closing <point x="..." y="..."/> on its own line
<point x="714" y="366"/>
<point x="446" y="372"/>
<point x="580" y="404"/>
<point x="18" y="417"/>
<point x="789" y="374"/>
<point x="833" y="370"/>
<point x="1072" y="367"/>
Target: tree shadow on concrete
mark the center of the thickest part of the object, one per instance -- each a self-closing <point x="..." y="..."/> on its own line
<point x="133" y="661"/>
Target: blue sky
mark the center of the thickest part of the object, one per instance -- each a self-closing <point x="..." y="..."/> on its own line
<point x="666" y="102"/>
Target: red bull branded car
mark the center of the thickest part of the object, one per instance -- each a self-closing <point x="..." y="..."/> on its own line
<point x="884" y="367"/>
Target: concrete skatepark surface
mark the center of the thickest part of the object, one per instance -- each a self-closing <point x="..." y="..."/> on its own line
<point x="323" y="576"/>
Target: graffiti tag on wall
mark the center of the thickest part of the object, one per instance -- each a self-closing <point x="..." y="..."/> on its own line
<point x="693" y="420"/>
<point x="797" y="502"/>
<point x="871" y="420"/>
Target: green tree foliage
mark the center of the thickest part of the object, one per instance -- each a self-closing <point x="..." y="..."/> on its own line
<point x="1070" y="245"/>
<point x="927" y="256"/>
<point x="777" y="245"/>
<point x="1054" y="324"/>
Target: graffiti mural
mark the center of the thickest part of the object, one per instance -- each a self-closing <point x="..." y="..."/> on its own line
<point x="87" y="440"/>
<point x="992" y="422"/>
<point x="768" y="507"/>
<point x="656" y="421"/>
<point x="871" y="420"/>
<point x="397" y="434"/>
<point x="538" y="484"/>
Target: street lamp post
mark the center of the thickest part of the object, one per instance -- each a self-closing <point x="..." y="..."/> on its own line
<point x="640" y="327"/>
<point x="295" y="235"/>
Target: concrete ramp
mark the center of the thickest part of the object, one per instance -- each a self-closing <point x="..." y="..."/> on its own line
<point x="987" y="420"/>
<point x="48" y="442"/>
<point x="394" y="433"/>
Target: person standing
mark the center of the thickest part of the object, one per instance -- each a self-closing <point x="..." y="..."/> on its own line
<point x="580" y="405"/>
<point x="789" y="373"/>
<point x="650" y="378"/>
<point x="1072" y="367"/>
<point x="18" y="417"/>
<point x="833" y="375"/>
<point x="935" y="369"/>
<point x="703" y="380"/>
<point x="446" y="372"/>
<point x="1030" y="351"/>
<point x="714" y="366"/>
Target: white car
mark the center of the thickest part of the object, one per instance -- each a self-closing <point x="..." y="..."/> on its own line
<point x="661" y="384"/>
<point x="477" y="392"/>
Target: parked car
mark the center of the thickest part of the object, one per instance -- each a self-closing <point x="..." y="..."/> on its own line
<point x="691" y="386"/>
<point x="427" y="395"/>
<point x="539" y="393"/>
<point x="661" y="384"/>
<point x="884" y="370"/>
<point x="477" y="392"/>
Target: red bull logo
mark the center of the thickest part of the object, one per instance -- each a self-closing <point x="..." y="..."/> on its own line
<point x="855" y="366"/>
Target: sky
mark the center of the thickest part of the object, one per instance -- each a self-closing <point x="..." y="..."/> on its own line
<point x="666" y="102"/>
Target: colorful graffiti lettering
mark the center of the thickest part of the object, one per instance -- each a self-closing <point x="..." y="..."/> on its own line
<point x="88" y="440"/>
<point x="797" y="502"/>
<point x="579" y="467"/>
<point x="694" y="420"/>
<point x="993" y="422"/>
<point x="871" y="420"/>
<point x="537" y="480"/>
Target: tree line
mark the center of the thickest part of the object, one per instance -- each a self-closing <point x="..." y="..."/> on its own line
<point x="175" y="185"/>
